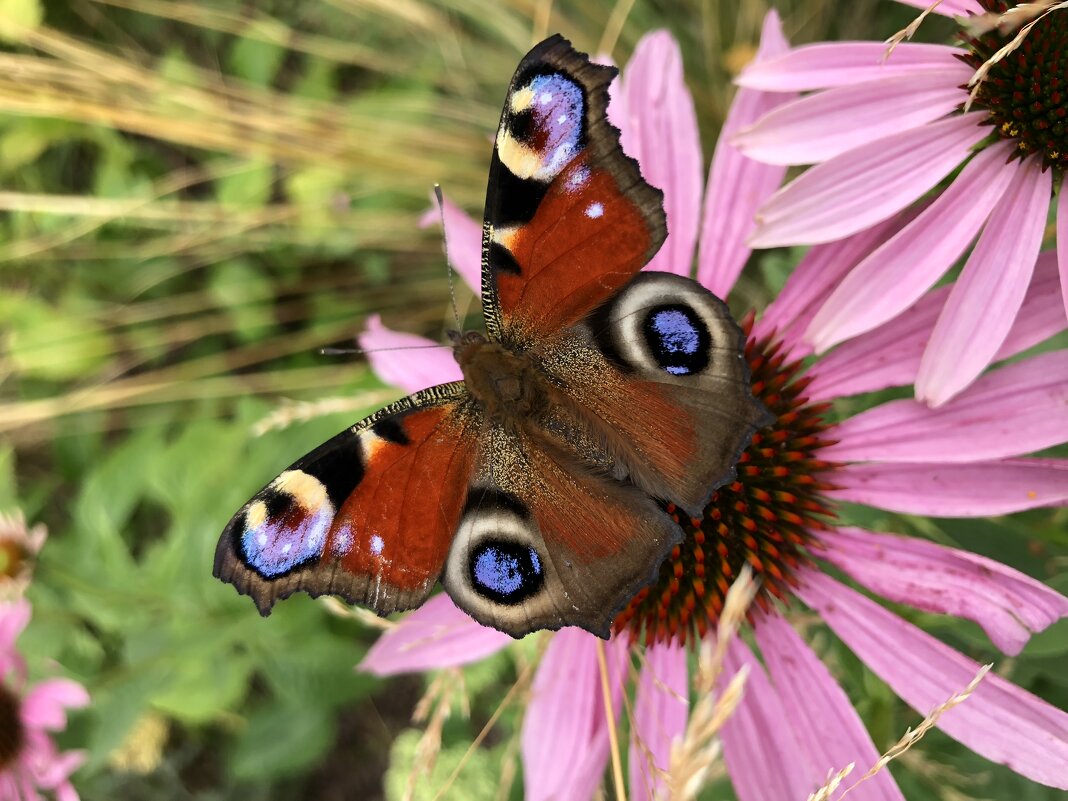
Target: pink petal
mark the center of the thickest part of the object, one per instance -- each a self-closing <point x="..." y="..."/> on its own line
<point x="661" y="706"/>
<point x="1042" y="314"/>
<point x="826" y="124"/>
<point x="815" y="277"/>
<point x="1062" y="239"/>
<point x="822" y="717"/>
<point x="889" y="356"/>
<point x="737" y="186"/>
<point x="949" y="8"/>
<point x="1000" y="721"/>
<point x="13" y="619"/>
<point x="663" y="138"/>
<point x="464" y="240"/>
<point x="866" y="185"/>
<point x="897" y="274"/>
<point x="44" y="707"/>
<point x="828" y="64"/>
<point x="955" y="490"/>
<point x="436" y="635"/>
<point x="764" y="759"/>
<point x="564" y="737"/>
<point x="60" y="768"/>
<point x="983" y="303"/>
<point x="1015" y="410"/>
<point x="1007" y="604"/>
<point x="66" y="792"/>
<point x="405" y="360"/>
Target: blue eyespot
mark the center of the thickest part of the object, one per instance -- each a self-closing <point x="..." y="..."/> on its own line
<point x="286" y="538"/>
<point x="677" y="339"/>
<point x="506" y="572"/>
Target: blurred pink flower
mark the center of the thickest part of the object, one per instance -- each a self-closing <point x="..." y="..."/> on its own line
<point x="794" y="723"/>
<point x="19" y="547"/>
<point x="29" y="760"/>
<point x="884" y="133"/>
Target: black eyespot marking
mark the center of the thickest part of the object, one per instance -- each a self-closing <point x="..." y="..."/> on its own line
<point x="515" y="200"/>
<point x="339" y="469"/>
<point x="677" y="338"/>
<point x="501" y="258"/>
<point x="390" y="430"/>
<point x="505" y="572"/>
<point x="487" y="498"/>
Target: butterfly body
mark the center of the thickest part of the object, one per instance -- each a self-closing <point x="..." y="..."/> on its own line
<point x="533" y="488"/>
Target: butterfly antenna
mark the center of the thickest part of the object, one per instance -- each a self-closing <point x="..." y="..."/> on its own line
<point x="350" y="351"/>
<point x="448" y="261"/>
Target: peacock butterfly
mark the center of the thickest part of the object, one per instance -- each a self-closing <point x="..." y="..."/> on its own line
<point x="533" y="487"/>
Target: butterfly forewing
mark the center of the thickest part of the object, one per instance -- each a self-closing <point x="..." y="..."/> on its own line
<point x="569" y="219"/>
<point x="368" y="516"/>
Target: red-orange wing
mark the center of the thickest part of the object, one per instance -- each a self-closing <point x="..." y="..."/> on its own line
<point x="368" y="516"/>
<point x="569" y="219"/>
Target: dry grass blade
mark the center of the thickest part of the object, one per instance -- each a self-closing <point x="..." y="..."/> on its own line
<point x="338" y="608"/>
<point x="435" y="707"/>
<point x="910" y="738"/>
<point x="291" y="411"/>
<point x="694" y="755"/>
<point x="909" y="30"/>
<point x="976" y="81"/>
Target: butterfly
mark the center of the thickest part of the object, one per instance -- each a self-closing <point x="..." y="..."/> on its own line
<point x="535" y="488"/>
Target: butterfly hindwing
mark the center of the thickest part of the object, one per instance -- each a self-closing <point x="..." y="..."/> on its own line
<point x="368" y="516"/>
<point x="665" y="378"/>
<point x="569" y="219"/>
<point x="545" y="542"/>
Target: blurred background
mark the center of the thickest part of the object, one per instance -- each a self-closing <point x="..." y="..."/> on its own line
<point x="195" y="198"/>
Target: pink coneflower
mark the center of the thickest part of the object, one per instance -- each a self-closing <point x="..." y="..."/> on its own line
<point x="795" y="723"/>
<point x="29" y="761"/>
<point x="883" y="132"/>
<point x="19" y="546"/>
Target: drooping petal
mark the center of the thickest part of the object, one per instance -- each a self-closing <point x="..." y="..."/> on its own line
<point x="405" y="360"/>
<point x="44" y="707"/>
<point x="436" y="635"/>
<point x="826" y="124"/>
<point x="661" y="705"/>
<point x="564" y="740"/>
<point x="824" y="721"/>
<point x="1009" y="605"/>
<point x="1011" y="411"/>
<point x="983" y="303"/>
<point x="866" y="185"/>
<point x="737" y="186"/>
<point x="896" y="275"/>
<point x="949" y="8"/>
<point x="13" y="619"/>
<point x="1000" y="721"/>
<point x="889" y="356"/>
<point x="815" y="277"/>
<point x="764" y="759"/>
<point x="825" y="65"/>
<point x="464" y="238"/>
<point x="955" y="490"/>
<point x="60" y="767"/>
<point x="663" y="138"/>
<point x="1062" y="239"/>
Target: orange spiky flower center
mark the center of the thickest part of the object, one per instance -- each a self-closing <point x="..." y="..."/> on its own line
<point x="12" y="734"/>
<point x="1026" y="91"/>
<point x="768" y="517"/>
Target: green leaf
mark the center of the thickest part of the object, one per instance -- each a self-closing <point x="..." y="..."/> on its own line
<point x="18" y="16"/>
<point x="256" y="61"/>
<point x="478" y="781"/>
<point x="281" y="739"/>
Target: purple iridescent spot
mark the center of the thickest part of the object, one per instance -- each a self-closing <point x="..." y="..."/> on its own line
<point x="506" y="572"/>
<point x="557" y="107"/>
<point x="677" y="339"/>
<point x="277" y="545"/>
